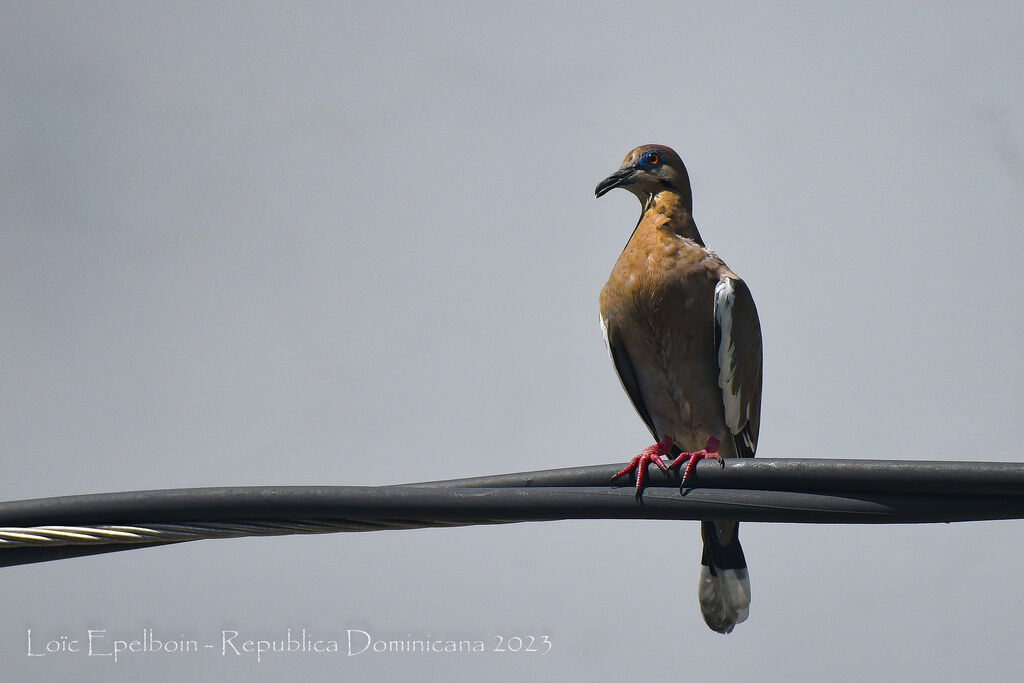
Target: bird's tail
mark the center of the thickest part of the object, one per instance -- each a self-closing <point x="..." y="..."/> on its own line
<point x="724" y="590"/>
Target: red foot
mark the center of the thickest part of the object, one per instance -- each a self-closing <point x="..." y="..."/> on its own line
<point x="647" y="456"/>
<point x="710" y="451"/>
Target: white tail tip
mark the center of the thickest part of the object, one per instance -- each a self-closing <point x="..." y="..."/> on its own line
<point x="724" y="597"/>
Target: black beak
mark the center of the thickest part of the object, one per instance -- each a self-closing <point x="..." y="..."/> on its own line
<point x="614" y="180"/>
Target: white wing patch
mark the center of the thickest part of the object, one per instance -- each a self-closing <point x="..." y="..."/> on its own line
<point x="749" y="441"/>
<point x="604" y="333"/>
<point x="735" y="412"/>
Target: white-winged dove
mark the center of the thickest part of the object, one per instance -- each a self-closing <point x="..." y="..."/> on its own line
<point x="683" y="333"/>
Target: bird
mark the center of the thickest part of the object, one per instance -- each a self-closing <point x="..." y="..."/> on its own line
<point x="684" y="336"/>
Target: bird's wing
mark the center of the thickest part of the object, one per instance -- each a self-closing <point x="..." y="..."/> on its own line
<point x="738" y="346"/>
<point x="627" y="374"/>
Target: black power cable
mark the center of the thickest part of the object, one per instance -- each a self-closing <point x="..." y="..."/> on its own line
<point x="761" y="490"/>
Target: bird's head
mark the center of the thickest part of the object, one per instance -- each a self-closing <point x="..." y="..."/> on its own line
<point x="648" y="170"/>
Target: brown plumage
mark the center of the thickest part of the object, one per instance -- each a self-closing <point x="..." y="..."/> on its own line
<point x="683" y="333"/>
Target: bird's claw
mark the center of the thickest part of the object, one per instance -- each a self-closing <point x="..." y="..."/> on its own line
<point x="691" y="459"/>
<point x="640" y="462"/>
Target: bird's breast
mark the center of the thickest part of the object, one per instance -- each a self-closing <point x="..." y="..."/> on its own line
<point x="659" y="298"/>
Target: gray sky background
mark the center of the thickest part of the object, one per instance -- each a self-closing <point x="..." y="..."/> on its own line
<point x="358" y="244"/>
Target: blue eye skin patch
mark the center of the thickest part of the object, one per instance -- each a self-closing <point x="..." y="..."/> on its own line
<point x="645" y="160"/>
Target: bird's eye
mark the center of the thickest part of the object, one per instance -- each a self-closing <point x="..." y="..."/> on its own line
<point x="653" y="158"/>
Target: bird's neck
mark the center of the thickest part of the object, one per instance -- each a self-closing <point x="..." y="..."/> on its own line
<point x="667" y="210"/>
